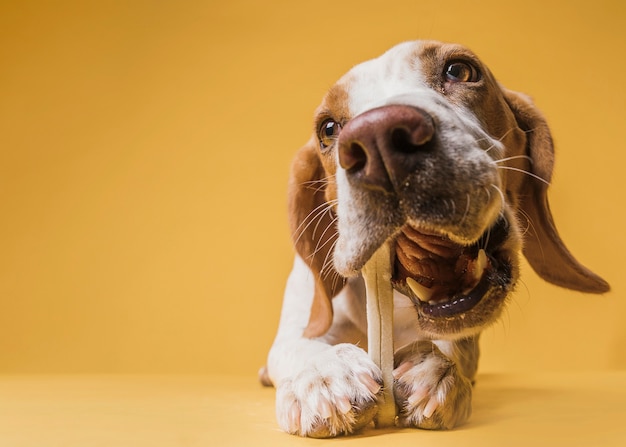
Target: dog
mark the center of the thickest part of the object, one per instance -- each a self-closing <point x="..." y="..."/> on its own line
<point x="420" y="148"/>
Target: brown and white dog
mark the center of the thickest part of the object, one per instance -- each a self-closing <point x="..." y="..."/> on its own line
<point x="420" y="148"/>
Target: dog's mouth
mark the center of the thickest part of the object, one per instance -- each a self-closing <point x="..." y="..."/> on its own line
<point x="447" y="279"/>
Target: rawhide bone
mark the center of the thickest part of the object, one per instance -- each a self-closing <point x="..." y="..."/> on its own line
<point x="377" y="275"/>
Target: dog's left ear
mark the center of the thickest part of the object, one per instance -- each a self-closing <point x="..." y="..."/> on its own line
<point x="314" y="233"/>
<point x="543" y="247"/>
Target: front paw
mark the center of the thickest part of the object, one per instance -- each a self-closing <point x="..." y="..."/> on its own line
<point x="334" y="393"/>
<point x="430" y="391"/>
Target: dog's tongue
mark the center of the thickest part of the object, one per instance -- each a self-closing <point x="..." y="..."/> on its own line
<point x="434" y="267"/>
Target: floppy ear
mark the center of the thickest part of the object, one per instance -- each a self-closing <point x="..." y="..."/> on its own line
<point x="314" y="233"/>
<point x="543" y="247"/>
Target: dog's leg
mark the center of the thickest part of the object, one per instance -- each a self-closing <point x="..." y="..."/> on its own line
<point x="322" y="390"/>
<point x="434" y="390"/>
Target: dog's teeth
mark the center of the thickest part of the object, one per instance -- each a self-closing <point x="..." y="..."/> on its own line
<point x="423" y="293"/>
<point x="478" y="268"/>
<point x="480" y="265"/>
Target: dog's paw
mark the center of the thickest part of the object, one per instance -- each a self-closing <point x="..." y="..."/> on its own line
<point x="430" y="391"/>
<point x="334" y="393"/>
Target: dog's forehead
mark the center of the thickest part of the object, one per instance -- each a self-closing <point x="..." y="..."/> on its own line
<point x="394" y="73"/>
<point x="405" y="69"/>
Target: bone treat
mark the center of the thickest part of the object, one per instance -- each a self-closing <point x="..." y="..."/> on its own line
<point x="377" y="275"/>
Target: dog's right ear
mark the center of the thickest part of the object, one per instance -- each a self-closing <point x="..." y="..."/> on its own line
<point x="314" y="232"/>
<point x="543" y="247"/>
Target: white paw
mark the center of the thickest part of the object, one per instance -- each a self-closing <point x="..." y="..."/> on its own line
<point x="334" y="393"/>
<point x="429" y="390"/>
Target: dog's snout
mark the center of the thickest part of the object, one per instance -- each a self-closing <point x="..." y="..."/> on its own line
<point x="382" y="146"/>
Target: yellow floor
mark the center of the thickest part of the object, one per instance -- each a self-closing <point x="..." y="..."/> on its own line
<point x="83" y="411"/>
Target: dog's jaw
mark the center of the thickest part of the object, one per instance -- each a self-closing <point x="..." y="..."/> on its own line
<point x="458" y="305"/>
<point x="470" y="292"/>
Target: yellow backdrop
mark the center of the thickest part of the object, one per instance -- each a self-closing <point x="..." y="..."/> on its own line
<point x="144" y="150"/>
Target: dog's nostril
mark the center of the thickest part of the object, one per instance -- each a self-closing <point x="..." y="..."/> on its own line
<point x="401" y="141"/>
<point x="352" y="157"/>
<point x="411" y="139"/>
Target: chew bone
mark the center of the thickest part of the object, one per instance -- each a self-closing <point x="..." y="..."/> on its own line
<point x="377" y="275"/>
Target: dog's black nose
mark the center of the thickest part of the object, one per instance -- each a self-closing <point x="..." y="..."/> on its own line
<point x="382" y="146"/>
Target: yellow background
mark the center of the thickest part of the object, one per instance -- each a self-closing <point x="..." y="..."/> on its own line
<point x="144" y="151"/>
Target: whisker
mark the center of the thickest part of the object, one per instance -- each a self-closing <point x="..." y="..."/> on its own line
<point x="328" y="260"/>
<point x="314" y="211"/>
<point x="336" y="278"/>
<point x="489" y="140"/>
<point x="313" y="182"/>
<point x="501" y="194"/>
<point x="530" y="174"/>
<point x="499" y="140"/>
<point x="531" y="225"/>
<point x="321" y="180"/>
<point x="506" y="133"/>
<point x="528" y="222"/>
<point x="319" y="247"/>
<point x="515" y="157"/>
<point x="451" y="206"/>
<point x="316" y="214"/>
<point x="485" y="242"/>
<point x="467" y="208"/>
<point x="447" y="205"/>
<point x="323" y="183"/>
<point x="328" y="272"/>
<point x="319" y="221"/>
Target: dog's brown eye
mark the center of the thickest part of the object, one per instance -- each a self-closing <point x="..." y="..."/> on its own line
<point x="328" y="133"/>
<point x="461" y="72"/>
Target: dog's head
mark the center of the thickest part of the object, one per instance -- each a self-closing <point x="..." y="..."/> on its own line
<point x="421" y="148"/>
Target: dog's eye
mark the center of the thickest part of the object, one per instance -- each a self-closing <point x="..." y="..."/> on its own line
<point x="461" y="72"/>
<point x="328" y="133"/>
